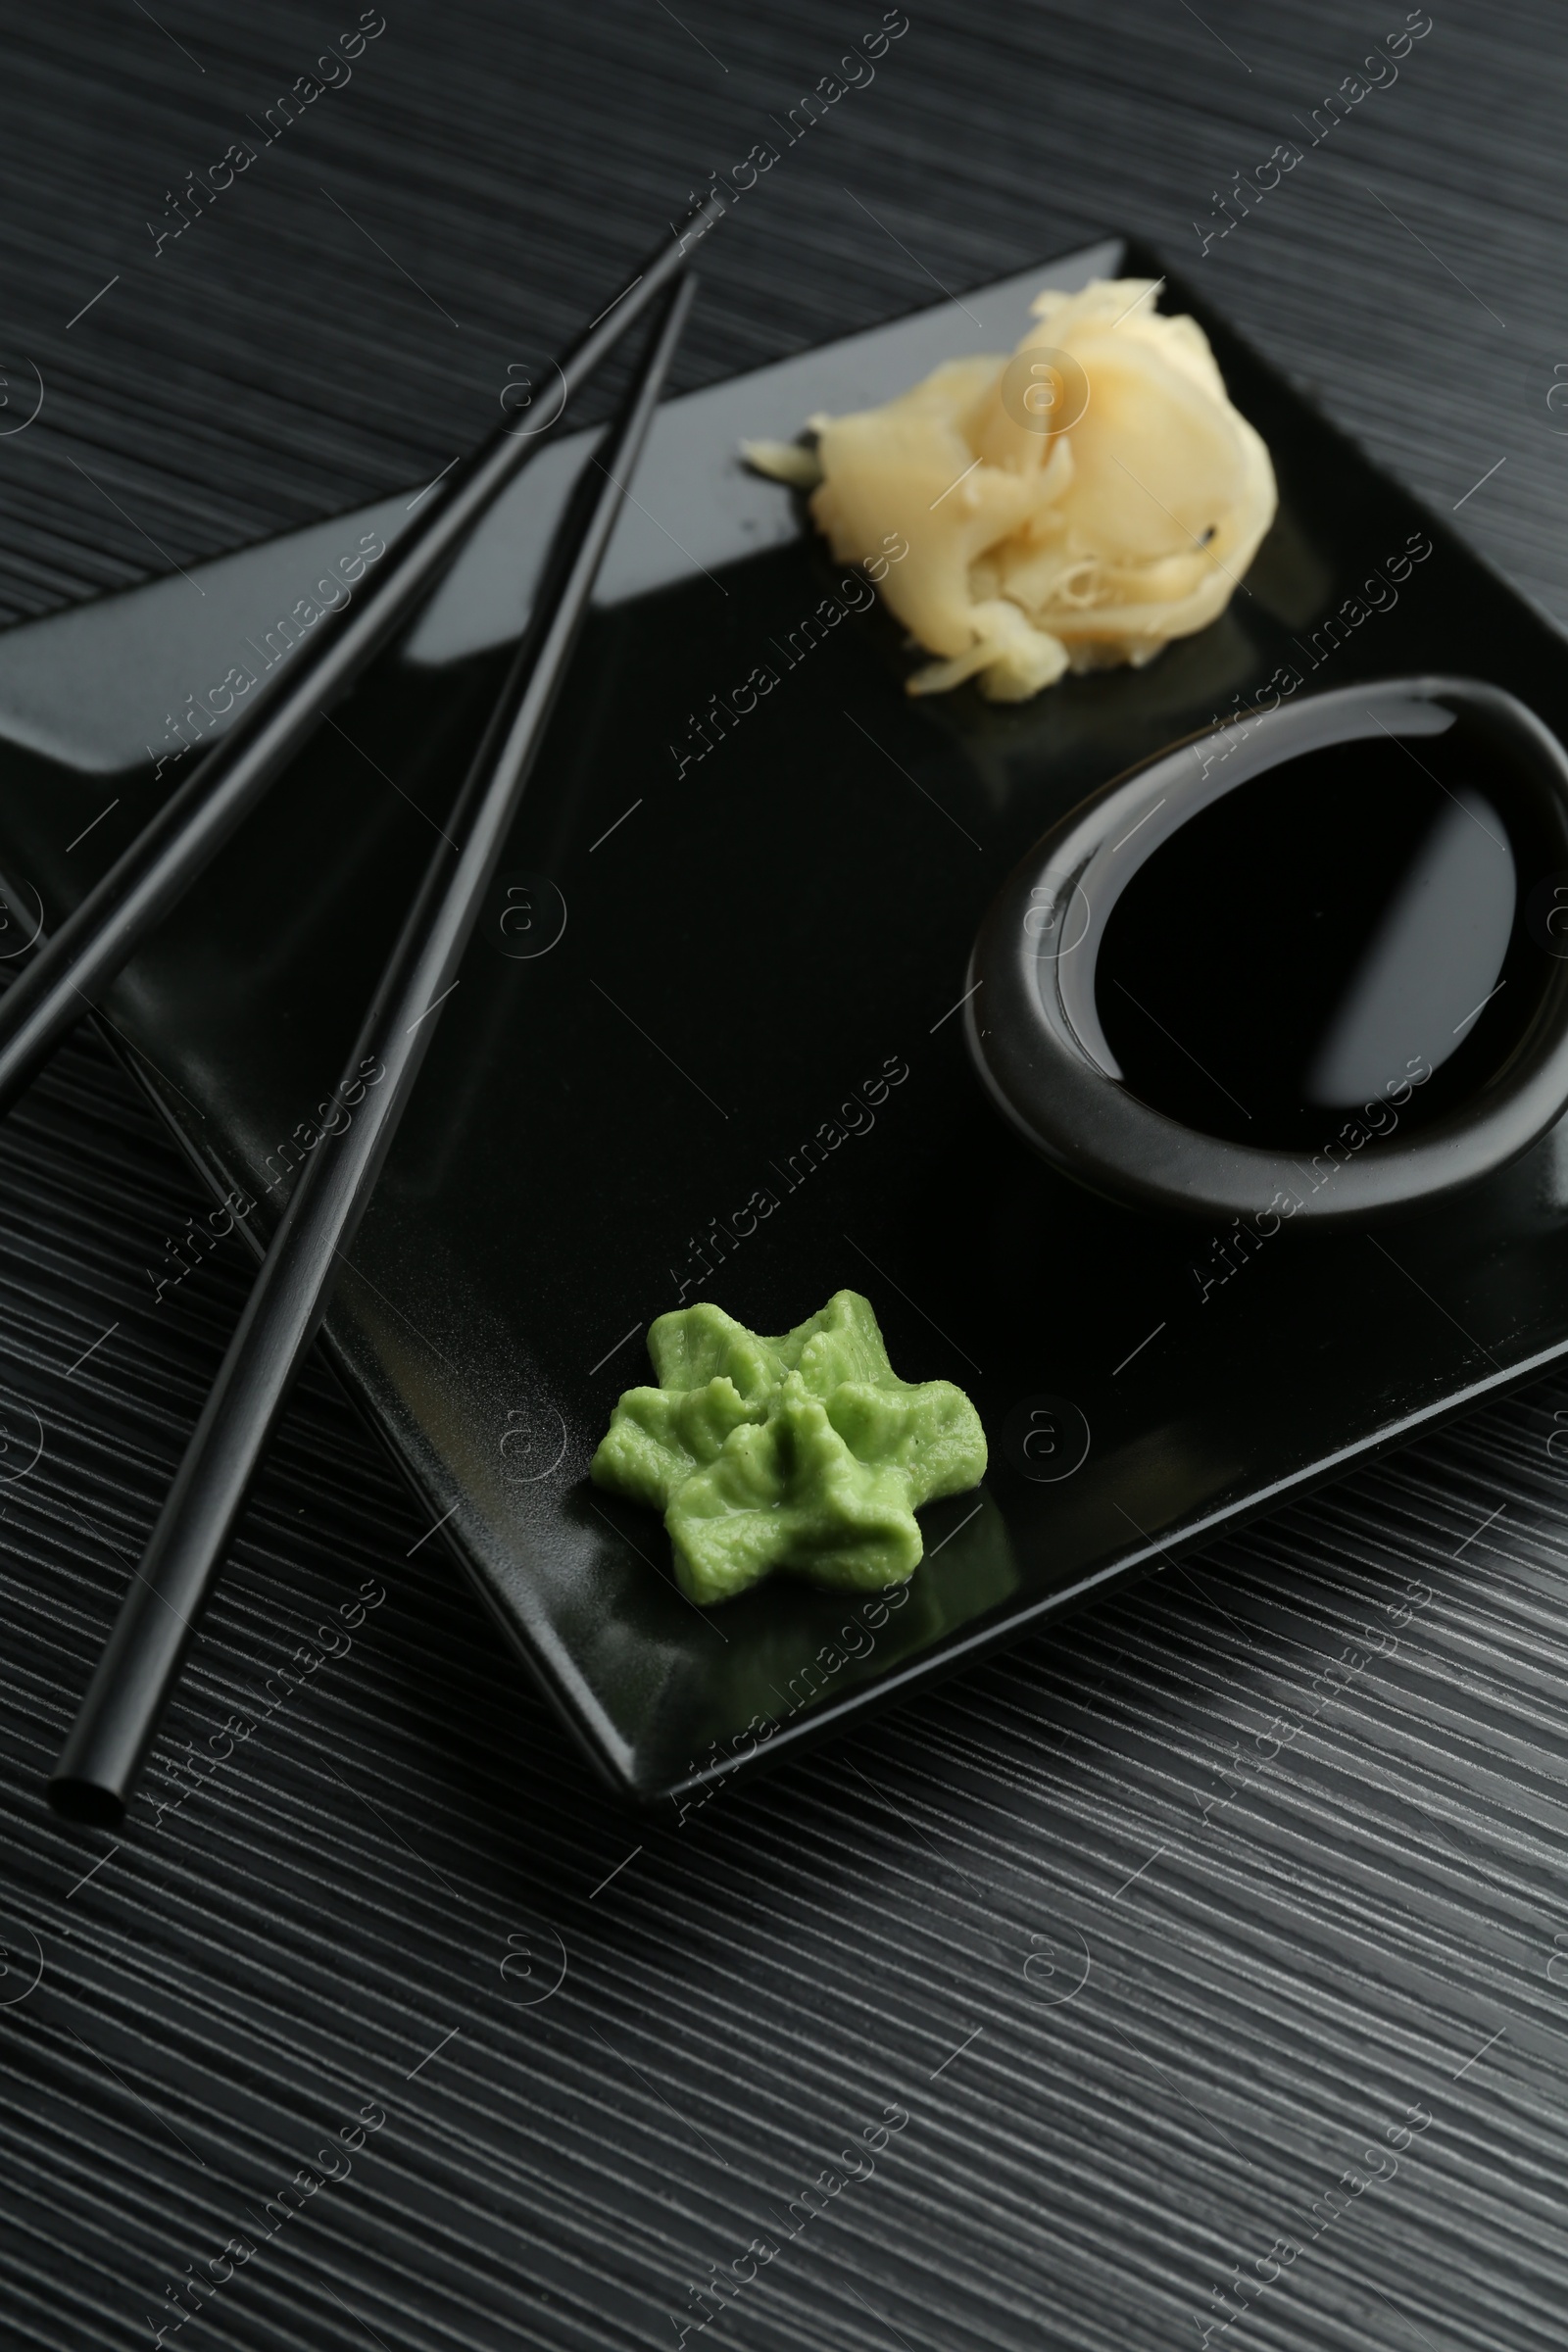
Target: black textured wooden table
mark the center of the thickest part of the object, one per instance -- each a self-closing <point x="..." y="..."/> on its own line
<point x="1152" y="1985"/>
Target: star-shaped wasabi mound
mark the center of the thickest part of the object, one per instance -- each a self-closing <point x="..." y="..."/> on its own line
<point x="805" y="1452"/>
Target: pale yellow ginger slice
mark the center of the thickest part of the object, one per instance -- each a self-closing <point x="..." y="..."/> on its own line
<point x="788" y="462"/>
<point x="1075" y="507"/>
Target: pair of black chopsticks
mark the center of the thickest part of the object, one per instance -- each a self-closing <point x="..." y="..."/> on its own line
<point x="99" y="1764"/>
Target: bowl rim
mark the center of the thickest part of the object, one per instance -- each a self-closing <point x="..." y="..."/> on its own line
<point x="1031" y="1053"/>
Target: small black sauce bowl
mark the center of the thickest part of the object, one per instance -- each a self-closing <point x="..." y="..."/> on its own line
<point x="1038" y="1043"/>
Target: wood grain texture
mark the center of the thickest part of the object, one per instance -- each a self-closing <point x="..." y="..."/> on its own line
<point x="1151" y="1931"/>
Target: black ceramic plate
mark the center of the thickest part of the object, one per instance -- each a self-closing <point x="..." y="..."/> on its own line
<point x="706" y="983"/>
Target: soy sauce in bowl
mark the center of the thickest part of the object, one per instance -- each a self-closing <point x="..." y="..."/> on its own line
<point x="1348" y="916"/>
<point x="1265" y="938"/>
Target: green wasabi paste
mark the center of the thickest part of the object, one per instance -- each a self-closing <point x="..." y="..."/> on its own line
<point x="805" y="1452"/>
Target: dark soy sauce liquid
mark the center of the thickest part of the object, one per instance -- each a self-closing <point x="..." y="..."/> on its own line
<point x="1322" y="934"/>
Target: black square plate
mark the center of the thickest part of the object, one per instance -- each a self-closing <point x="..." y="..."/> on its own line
<point x="705" y="1044"/>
